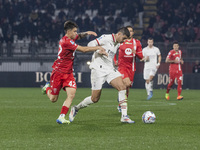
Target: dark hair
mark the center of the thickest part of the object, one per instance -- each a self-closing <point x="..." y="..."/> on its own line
<point x="68" y="25"/>
<point x="129" y="27"/>
<point x="175" y="42"/>
<point x="124" y="31"/>
<point x="150" y="38"/>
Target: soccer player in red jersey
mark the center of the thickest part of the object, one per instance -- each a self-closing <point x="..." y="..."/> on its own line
<point x="62" y="74"/>
<point x="128" y="51"/>
<point x="175" y="59"/>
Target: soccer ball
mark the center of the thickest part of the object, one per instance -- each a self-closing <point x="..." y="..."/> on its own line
<point x="148" y="117"/>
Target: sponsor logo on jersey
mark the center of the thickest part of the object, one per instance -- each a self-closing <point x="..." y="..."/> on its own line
<point x="128" y="51"/>
<point x="127" y="43"/>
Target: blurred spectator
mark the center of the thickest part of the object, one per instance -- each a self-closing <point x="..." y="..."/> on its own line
<point x="196" y="67"/>
<point x="169" y="35"/>
<point x="140" y="4"/>
<point x="33" y="47"/>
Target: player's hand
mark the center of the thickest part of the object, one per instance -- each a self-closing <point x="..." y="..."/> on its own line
<point x="102" y="51"/>
<point x="91" y="33"/>
<point x="181" y="61"/>
<point x="147" y="59"/>
<point x="158" y="65"/>
<point x="134" y="51"/>
<point x="177" y="61"/>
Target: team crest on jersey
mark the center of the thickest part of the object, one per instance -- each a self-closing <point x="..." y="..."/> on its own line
<point x="128" y="51"/>
<point x="72" y="42"/>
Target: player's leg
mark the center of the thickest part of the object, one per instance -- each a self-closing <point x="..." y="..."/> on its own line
<point x="94" y="98"/>
<point x="146" y="75"/>
<point x="179" y="88"/>
<point x="171" y="82"/>
<point x="127" y="83"/>
<point x="56" y="86"/>
<point x="97" y="81"/>
<point x="150" y="86"/>
<point x="118" y="84"/>
<point x="67" y="103"/>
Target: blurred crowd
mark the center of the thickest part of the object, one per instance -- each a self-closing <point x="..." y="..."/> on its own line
<point x="43" y="19"/>
<point x="175" y="20"/>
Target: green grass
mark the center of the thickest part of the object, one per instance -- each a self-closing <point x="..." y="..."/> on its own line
<point x="28" y="121"/>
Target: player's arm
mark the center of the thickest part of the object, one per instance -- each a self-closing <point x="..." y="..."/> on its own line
<point x="168" y="60"/>
<point x="159" y="61"/>
<point x="91" y="49"/>
<point x="139" y="53"/>
<point x="84" y="34"/>
<point x="145" y="59"/>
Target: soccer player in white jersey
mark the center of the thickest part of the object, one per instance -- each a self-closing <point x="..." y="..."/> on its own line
<point x="102" y="70"/>
<point x="152" y="59"/>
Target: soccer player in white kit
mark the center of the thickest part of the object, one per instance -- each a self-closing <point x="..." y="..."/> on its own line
<point x="102" y="69"/>
<point x="152" y="59"/>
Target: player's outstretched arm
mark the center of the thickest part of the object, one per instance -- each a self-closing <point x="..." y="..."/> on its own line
<point x="84" y="34"/>
<point x="91" y="49"/>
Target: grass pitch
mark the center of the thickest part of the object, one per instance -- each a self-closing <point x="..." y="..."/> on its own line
<point x="28" y="121"/>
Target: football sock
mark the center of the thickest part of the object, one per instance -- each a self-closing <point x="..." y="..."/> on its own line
<point x="147" y="88"/>
<point x="86" y="102"/>
<point x="127" y="92"/>
<point x="179" y="88"/>
<point x="123" y="102"/>
<point x="151" y="86"/>
<point x="169" y="85"/>
<point x="47" y="89"/>
<point x="64" y="111"/>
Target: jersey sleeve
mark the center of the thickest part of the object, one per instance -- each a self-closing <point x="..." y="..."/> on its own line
<point x="101" y="40"/>
<point x="71" y="45"/>
<point x="169" y="55"/>
<point x="139" y="52"/>
<point x="158" y="51"/>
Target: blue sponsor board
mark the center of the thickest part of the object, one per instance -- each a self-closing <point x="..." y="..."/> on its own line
<point x="38" y="79"/>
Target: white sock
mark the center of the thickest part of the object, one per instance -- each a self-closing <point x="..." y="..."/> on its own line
<point x="151" y="86"/>
<point x="147" y="88"/>
<point x="123" y="102"/>
<point x="86" y="102"/>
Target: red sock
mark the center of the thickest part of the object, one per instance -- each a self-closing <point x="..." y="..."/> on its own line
<point x="179" y="88"/>
<point x="64" y="110"/>
<point x="47" y="89"/>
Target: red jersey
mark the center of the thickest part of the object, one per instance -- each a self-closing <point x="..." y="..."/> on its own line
<point x="172" y="55"/>
<point x="66" y="51"/>
<point x="126" y="57"/>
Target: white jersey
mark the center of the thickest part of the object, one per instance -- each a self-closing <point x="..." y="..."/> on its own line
<point x="153" y="57"/>
<point x="108" y="42"/>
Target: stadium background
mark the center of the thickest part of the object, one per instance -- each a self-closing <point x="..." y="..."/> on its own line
<point x="30" y="30"/>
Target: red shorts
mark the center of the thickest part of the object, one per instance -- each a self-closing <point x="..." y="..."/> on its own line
<point x="175" y="74"/>
<point x="60" y="80"/>
<point x="127" y="73"/>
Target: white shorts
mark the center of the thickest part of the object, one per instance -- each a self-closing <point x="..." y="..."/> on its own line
<point x="149" y="72"/>
<point x="99" y="77"/>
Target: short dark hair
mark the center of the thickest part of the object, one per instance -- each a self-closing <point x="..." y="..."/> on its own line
<point x="124" y="31"/>
<point x="175" y="42"/>
<point x="130" y="27"/>
<point x="68" y="25"/>
<point x="150" y="38"/>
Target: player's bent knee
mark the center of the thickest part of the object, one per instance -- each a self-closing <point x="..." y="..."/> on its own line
<point x="53" y="99"/>
<point x="121" y="87"/>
